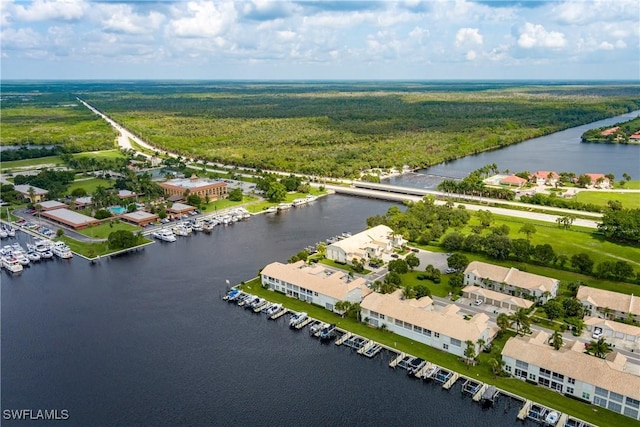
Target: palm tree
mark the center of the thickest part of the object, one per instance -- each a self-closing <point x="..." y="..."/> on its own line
<point x="521" y="320"/>
<point x="599" y="348"/>
<point x="503" y="322"/>
<point x="556" y="340"/>
<point x="481" y="343"/>
<point x="496" y="366"/>
<point x="469" y="352"/>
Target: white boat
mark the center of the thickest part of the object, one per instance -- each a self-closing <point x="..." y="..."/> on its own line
<point x="198" y="226"/>
<point x="551" y="418"/>
<point x="11" y="264"/>
<point x="60" y="249"/>
<point x="284" y="206"/>
<point x="299" y="202"/>
<point x="273" y="309"/>
<point x="272" y="209"/>
<point x="180" y="230"/>
<point x="3" y="233"/>
<point x="297" y="318"/>
<point x="43" y="248"/>
<point x="165" y="235"/>
<point x="33" y="256"/>
<point x="10" y="232"/>
<point x="311" y="198"/>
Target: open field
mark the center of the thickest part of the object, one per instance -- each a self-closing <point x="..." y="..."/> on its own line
<point x="297" y="127"/>
<point x="103" y="230"/>
<point x="102" y="154"/>
<point x="482" y="371"/>
<point x="628" y="200"/>
<point x="30" y="163"/>
<point x="90" y="184"/>
<point x="631" y="185"/>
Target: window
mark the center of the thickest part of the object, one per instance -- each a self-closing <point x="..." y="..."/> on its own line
<point x="427" y="332"/>
<point x="556" y="386"/>
<point x="570" y="390"/>
<point x="571" y="380"/>
<point x="545" y="372"/>
<point x="521" y="374"/>
<point x="602" y="392"/>
<point x="586" y="396"/>
<point x="417" y="329"/>
<point x="557" y="376"/>
<point x="507" y="368"/>
<point x="445" y="346"/>
<point x="633" y="402"/>
<point x="455" y="342"/>
<point x="398" y="322"/>
<point x="615" y="407"/>
<point x="315" y="294"/>
<point x="615" y="397"/>
<point x="382" y="316"/>
<point x="532" y="377"/>
<point x="522" y="365"/>
<point x="374" y="315"/>
<point x="631" y="413"/>
<point x="544" y="382"/>
<point x="436" y="334"/>
<point x="600" y="402"/>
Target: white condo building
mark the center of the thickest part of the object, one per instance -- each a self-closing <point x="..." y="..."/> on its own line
<point x="443" y="329"/>
<point x="608" y="304"/>
<point x="371" y="243"/>
<point x="611" y="383"/>
<point x="314" y="283"/>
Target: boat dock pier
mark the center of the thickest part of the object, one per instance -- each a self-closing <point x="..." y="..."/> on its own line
<point x="478" y="396"/>
<point x="343" y="338"/>
<point x="522" y="414"/>
<point x="366" y="346"/>
<point x="304" y="323"/>
<point x="451" y="381"/>
<point x="563" y="419"/>
<point x="280" y="313"/>
<point x="397" y="360"/>
<point x="420" y="373"/>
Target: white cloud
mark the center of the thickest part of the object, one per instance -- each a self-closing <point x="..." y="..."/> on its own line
<point x="121" y="18"/>
<point x="468" y="36"/>
<point x="42" y="10"/>
<point x="204" y="19"/>
<point x="535" y="35"/>
<point x="471" y="55"/>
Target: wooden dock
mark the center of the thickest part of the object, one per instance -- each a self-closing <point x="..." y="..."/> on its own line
<point x="451" y="381"/>
<point x="280" y="313"/>
<point x="422" y="370"/>
<point x="397" y="360"/>
<point x="522" y="415"/>
<point x="478" y="396"/>
<point x="304" y="323"/>
<point x="366" y="346"/>
<point x="563" y="419"/>
<point x="343" y="338"/>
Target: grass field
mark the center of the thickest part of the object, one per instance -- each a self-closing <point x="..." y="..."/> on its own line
<point x="30" y="163"/>
<point x="628" y="200"/>
<point x="219" y="205"/>
<point x="567" y="242"/>
<point x="482" y="371"/>
<point x="90" y="184"/>
<point x="104" y="154"/>
<point x="631" y="185"/>
<point x="103" y="230"/>
<point x="264" y="204"/>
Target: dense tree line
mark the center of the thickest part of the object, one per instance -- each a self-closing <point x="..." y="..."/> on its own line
<point x="558" y="202"/>
<point x="621" y="225"/>
<point x="56" y="182"/>
<point x="473" y="184"/>
<point x="625" y="130"/>
<point x="29" y="153"/>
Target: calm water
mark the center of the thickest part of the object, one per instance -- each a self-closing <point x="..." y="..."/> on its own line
<point x="144" y="339"/>
<point x="560" y="151"/>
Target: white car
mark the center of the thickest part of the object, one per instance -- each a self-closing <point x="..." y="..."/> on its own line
<point x="597" y="333"/>
<point x="479" y="302"/>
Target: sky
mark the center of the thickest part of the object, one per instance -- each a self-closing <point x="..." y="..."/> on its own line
<point x="320" y="39"/>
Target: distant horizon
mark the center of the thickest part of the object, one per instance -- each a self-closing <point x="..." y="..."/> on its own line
<point x="515" y="80"/>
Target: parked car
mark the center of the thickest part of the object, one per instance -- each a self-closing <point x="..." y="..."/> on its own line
<point x="395" y="256"/>
<point x="450" y="270"/>
<point x="479" y="302"/>
<point x="597" y="333"/>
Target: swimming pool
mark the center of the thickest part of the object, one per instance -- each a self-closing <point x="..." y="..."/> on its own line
<point x="117" y="210"/>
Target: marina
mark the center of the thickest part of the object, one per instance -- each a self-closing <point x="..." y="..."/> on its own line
<point x="416" y="367"/>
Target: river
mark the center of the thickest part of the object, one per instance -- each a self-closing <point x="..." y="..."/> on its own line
<point x="560" y="151"/>
<point x="144" y="339"/>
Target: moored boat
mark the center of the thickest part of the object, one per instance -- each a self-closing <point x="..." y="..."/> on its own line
<point x="297" y="318"/>
<point x="61" y="250"/>
<point x="11" y="264"/>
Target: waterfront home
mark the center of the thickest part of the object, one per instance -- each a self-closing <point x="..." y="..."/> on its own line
<point x="598" y="180"/>
<point x="608" y="304"/>
<point x="368" y="244"/>
<point x="511" y="281"/>
<point x="513" y="180"/>
<point x="611" y="383"/>
<point x="610" y="131"/>
<point x="544" y="178"/>
<point x="213" y="189"/>
<point x="26" y="190"/>
<point x="445" y="329"/>
<point x="496" y="299"/>
<point x="611" y="329"/>
<point x="314" y="283"/>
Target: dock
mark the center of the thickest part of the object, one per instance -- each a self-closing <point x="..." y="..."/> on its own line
<point x="522" y="414"/>
<point x="372" y="351"/>
<point x="280" y="313"/>
<point x="397" y="360"/>
<point x="343" y="338"/>
<point x="563" y="419"/>
<point x="304" y="323"/>
<point x="423" y="370"/>
<point x="454" y="377"/>
<point x="478" y="396"/>
<point x="366" y="346"/>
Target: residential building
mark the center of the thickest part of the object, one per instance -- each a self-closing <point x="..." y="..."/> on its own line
<point x="139" y="218"/>
<point x="611" y="383"/>
<point x="545" y="177"/>
<point x="599" y="180"/>
<point x="513" y="180"/>
<point x="496" y="299"/>
<point x="70" y="218"/>
<point x="444" y="329"/>
<point x="26" y="190"/>
<point x="314" y="283"/>
<point x="213" y="189"/>
<point x="609" y="304"/>
<point x="511" y="281"/>
<point x="612" y="329"/>
<point x="368" y="244"/>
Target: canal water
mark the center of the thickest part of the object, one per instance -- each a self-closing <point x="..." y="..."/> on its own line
<point x="144" y="339"/>
<point x="560" y="151"/>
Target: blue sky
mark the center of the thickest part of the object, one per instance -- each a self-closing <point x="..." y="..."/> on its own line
<point x="262" y="39"/>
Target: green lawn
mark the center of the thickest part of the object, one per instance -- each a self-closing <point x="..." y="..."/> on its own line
<point x="567" y="242"/>
<point x="628" y="200"/>
<point x="90" y="184"/>
<point x="264" y="204"/>
<point x="437" y="289"/>
<point x="219" y="205"/>
<point x="51" y="160"/>
<point x="103" y="230"/>
<point x="103" y="154"/>
<point x="482" y="371"/>
<point x="631" y="185"/>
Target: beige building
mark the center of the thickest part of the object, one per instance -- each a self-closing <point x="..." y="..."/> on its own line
<point x="314" y="283"/>
<point x="510" y="281"/>
<point x="608" y="304"/>
<point x="26" y="190"/>
<point x="201" y="187"/>
<point x="444" y="329"/>
<point x="496" y="299"/>
<point x="611" y="329"/>
<point x="368" y="244"/>
<point x="611" y="383"/>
